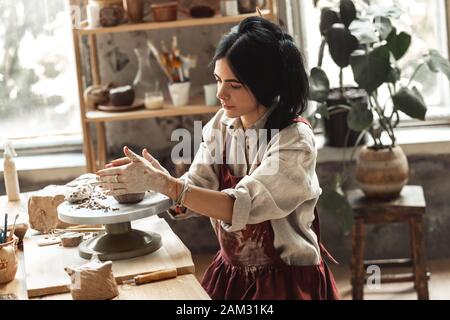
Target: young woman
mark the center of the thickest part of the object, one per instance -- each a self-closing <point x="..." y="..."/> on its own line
<point x="261" y="204"/>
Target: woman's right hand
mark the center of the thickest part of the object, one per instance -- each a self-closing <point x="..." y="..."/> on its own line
<point x="136" y="175"/>
<point x="125" y="160"/>
<point x="118" y="162"/>
<point x="155" y="163"/>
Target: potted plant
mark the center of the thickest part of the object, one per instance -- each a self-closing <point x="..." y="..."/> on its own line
<point x="382" y="167"/>
<point x="334" y="104"/>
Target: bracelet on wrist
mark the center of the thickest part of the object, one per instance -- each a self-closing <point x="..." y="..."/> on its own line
<point x="180" y="196"/>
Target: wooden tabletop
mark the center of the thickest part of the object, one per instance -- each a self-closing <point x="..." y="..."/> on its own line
<point x="184" y="286"/>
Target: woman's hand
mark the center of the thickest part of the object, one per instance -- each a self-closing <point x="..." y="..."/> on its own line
<point x="125" y="160"/>
<point x="134" y="174"/>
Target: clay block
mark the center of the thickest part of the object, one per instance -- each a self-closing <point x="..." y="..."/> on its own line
<point x="42" y="209"/>
<point x="92" y="281"/>
<point x="71" y="239"/>
<point x="42" y="205"/>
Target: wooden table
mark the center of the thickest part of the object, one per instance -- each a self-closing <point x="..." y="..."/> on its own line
<point x="184" y="286"/>
<point x="409" y="208"/>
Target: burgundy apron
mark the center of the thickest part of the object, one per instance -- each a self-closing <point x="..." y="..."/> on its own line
<point x="247" y="265"/>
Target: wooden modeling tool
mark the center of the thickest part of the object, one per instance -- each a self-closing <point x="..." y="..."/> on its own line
<point x="152" y="277"/>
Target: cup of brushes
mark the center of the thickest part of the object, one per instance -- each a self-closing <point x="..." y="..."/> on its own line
<point x="8" y="257"/>
<point x="176" y="68"/>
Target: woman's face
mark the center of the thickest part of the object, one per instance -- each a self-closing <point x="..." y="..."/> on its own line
<point x="236" y="99"/>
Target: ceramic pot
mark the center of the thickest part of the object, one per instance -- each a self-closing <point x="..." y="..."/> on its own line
<point x="382" y="174"/>
<point x="164" y="11"/>
<point x="247" y="6"/>
<point x="8" y="260"/>
<point x="134" y="10"/>
<point x="121" y="96"/>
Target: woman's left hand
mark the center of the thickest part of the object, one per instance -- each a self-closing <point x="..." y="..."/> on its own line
<point x="139" y="175"/>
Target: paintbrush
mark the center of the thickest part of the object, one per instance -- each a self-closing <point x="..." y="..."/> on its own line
<point x="11" y="233"/>
<point x="159" y="60"/>
<point x="5" y="230"/>
<point x="259" y="12"/>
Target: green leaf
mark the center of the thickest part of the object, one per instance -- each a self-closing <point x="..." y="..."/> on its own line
<point x="341" y="44"/>
<point x="394" y="75"/>
<point x="337" y="205"/>
<point x="437" y="63"/>
<point x="360" y="117"/>
<point x="384" y="26"/>
<point x="319" y="85"/>
<point x="418" y="95"/>
<point x="328" y="17"/>
<point x="348" y="12"/>
<point x="410" y="102"/>
<point x="398" y="44"/>
<point x="372" y="70"/>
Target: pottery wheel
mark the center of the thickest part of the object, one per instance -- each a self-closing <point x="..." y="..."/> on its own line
<point x="119" y="241"/>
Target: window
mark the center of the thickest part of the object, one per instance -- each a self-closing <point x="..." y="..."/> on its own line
<point x="38" y="88"/>
<point x="425" y="20"/>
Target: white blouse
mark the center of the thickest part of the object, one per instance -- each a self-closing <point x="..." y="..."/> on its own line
<point x="283" y="188"/>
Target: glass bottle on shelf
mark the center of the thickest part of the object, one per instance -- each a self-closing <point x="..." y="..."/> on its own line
<point x="145" y="75"/>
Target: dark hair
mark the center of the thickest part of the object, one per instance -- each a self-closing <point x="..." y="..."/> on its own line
<point x="268" y="62"/>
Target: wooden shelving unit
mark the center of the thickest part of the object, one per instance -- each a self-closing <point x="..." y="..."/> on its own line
<point x="182" y="23"/>
<point x="96" y="159"/>
<point x="168" y="111"/>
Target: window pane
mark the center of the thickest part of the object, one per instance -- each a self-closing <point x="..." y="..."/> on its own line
<point x="38" y="89"/>
<point x="424" y="19"/>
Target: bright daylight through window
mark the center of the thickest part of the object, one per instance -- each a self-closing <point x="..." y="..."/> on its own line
<point x="38" y="89"/>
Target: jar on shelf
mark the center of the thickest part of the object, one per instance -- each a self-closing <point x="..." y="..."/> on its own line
<point x="105" y="13"/>
<point x="249" y="6"/>
<point x="145" y="76"/>
<point x="93" y="14"/>
<point x="134" y="10"/>
<point x="229" y="7"/>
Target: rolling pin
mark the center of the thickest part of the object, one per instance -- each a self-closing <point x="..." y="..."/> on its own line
<point x="153" y="276"/>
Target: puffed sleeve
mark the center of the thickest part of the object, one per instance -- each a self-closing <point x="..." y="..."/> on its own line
<point x="203" y="171"/>
<point x="284" y="180"/>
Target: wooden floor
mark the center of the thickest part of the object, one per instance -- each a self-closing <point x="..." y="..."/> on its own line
<point x="439" y="284"/>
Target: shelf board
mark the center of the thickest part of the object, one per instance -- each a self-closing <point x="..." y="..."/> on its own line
<point x="191" y="22"/>
<point x="167" y="111"/>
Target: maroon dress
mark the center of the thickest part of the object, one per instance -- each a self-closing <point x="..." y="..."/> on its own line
<point x="247" y="265"/>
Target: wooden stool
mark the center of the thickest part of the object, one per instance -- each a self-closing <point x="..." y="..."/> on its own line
<point x="410" y="208"/>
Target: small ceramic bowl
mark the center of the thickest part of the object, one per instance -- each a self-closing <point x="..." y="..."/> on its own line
<point x="122" y="96"/>
<point x="130" y="198"/>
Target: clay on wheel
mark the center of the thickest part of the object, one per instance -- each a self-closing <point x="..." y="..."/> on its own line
<point x="130" y="198"/>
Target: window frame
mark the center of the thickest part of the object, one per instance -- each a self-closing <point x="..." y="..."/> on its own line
<point x="296" y="26"/>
